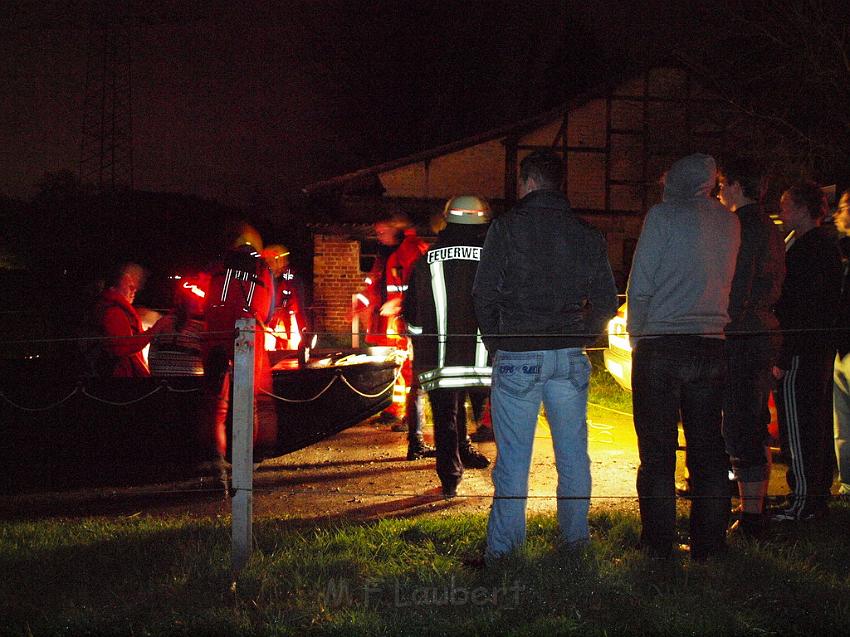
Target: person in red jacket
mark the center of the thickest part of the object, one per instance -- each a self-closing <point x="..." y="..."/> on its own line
<point x="399" y="249"/>
<point x="121" y="356"/>
<point x="240" y="286"/>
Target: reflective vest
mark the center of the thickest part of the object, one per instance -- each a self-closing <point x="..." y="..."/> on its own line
<point x="448" y="351"/>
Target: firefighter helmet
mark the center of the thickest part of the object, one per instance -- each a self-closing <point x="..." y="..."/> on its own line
<point x="277" y="256"/>
<point x="467" y="209"/>
<point x="246" y="234"/>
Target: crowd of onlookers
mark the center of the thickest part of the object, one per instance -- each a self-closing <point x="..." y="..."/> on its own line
<point x="722" y="311"/>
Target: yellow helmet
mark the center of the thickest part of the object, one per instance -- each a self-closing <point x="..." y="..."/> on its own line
<point x="277" y="256"/>
<point x="248" y="235"/>
<point x="467" y="209"/>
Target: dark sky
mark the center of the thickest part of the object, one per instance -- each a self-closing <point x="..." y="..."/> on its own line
<point x="244" y="101"/>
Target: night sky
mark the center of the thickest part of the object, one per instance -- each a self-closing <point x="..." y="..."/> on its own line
<point x="244" y="101"/>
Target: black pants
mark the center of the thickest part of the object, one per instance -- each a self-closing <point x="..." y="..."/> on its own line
<point x="673" y="376"/>
<point x="745" y="412"/>
<point x="805" y="415"/>
<point x="449" y="413"/>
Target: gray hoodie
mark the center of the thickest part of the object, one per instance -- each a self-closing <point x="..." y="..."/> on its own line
<point x="685" y="258"/>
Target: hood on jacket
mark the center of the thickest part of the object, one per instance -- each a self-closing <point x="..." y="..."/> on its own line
<point x="692" y="177"/>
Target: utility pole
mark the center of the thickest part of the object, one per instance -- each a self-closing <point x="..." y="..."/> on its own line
<point x="106" y="149"/>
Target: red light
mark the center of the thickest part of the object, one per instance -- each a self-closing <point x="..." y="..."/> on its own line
<point x="194" y="289"/>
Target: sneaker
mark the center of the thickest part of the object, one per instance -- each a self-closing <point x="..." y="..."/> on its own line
<point x="472" y="458"/>
<point x="482" y="434"/>
<point x="420" y="450"/>
<point x="792" y="515"/>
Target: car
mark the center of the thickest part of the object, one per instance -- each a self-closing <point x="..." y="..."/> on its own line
<point x="618" y="362"/>
<point x="618" y="355"/>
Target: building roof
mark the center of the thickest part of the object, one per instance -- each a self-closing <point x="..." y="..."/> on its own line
<point x="363" y="175"/>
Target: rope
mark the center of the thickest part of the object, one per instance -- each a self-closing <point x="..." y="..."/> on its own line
<point x="328" y="386"/>
<point x="120" y="404"/>
<point x="283" y="492"/>
<point x="36" y="409"/>
<point x="615" y="411"/>
<point x="583" y="335"/>
<point x="380" y="393"/>
<point x="180" y="391"/>
<point x="302" y="400"/>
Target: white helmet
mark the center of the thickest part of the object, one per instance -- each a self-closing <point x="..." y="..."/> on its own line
<point x="467" y="209"/>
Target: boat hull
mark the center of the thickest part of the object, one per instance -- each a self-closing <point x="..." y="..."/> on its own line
<point x="58" y="432"/>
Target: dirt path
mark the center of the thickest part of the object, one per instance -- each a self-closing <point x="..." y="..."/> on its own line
<point x="359" y="474"/>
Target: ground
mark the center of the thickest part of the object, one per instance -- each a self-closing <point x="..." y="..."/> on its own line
<point x="362" y="474"/>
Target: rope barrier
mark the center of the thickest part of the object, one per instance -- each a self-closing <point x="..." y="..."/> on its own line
<point x="336" y="335"/>
<point x="37" y="409"/>
<point x="339" y="493"/>
<point x="120" y="404"/>
<point x="382" y="392"/>
<point x="304" y="400"/>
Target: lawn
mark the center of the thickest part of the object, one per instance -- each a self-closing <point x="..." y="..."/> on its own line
<point x="147" y="576"/>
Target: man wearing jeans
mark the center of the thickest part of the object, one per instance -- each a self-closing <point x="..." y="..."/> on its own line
<point x="678" y="298"/>
<point x="543" y="291"/>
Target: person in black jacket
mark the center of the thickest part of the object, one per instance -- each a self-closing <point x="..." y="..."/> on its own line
<point x="543" y="291"/>
<point x="449" y="357"/>
<point x="806" y="311"/>
<point x="752" y="342"/>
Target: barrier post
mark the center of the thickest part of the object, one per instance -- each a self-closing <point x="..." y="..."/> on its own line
<point x="242" y="447"/>
<point x="355" y="324"/>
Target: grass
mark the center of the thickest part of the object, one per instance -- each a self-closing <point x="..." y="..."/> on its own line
<point x="604" y="390"/>
<point x="147" y="576"/>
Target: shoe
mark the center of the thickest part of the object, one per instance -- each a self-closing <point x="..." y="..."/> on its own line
<point x="450" y="490"/>
<point x="398" y="425"/>
<point x="482" y="434"/>
<point x="792" y="515"/>
<point x="419" y="450"/>
<point x="750" y="526"/>
<point x="702" y="555"/>
<point x="471" y="458"/>
<point x="388" y="418"/>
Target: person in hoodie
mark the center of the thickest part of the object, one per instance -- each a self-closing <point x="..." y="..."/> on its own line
<point x="806" y="310"/>
<point x="543" y="291"/>
<point x="678" y="299"/>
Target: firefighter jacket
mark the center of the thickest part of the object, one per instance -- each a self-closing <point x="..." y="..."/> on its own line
<point x="289" y="320"/>
<point x="388" y="280"/>
<point x="447" y="349"/>
<point x="241" y="286"/>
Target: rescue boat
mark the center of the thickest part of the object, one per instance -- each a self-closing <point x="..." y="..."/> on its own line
<point x="58" y="431"/>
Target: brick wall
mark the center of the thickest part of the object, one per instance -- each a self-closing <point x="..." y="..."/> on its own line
<point x="336" y="276"/>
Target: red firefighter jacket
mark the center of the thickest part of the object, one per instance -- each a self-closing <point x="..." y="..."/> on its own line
<point x="387" y="281"/>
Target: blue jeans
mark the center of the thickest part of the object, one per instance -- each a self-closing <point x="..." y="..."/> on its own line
<point x="521" y="381"/>
<point x="685" y="375"/>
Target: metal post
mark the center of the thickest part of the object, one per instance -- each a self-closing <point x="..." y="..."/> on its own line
<point x="355" y="324"/>
<point x="242" y="449"/>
